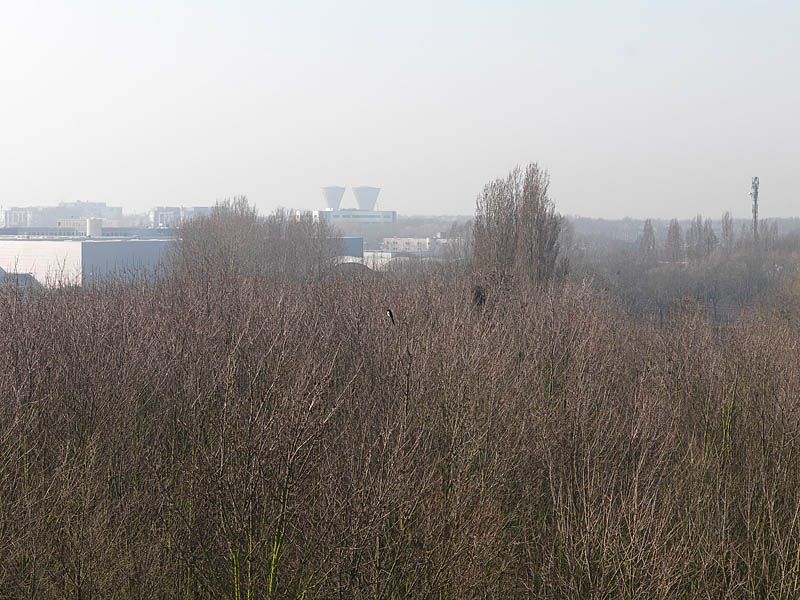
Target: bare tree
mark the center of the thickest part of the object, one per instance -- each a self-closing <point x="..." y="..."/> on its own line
<point x="674" y="243"/>
<point x="236" y="241"/>
<point x="728" y="235"/>
<point x="516" y="230"/>
<point x="767" y="234"/>
<point x="710" y="240"/>
<point x="695" y="241"/>
<point x="647" y="245"/>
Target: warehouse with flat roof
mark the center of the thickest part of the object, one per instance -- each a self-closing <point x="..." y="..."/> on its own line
<point x="55" y="261"/>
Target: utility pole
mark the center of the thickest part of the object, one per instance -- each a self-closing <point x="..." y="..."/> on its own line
<point x="754" y="196"/>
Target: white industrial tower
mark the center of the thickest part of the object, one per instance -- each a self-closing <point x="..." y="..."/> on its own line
<point x="366" y="196"/>
<point x="333" y="196"/>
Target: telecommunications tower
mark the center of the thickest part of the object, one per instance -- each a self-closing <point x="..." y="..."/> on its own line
<point x="754" y="196"/>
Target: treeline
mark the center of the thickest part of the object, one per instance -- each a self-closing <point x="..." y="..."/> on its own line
<point x="235" y="241"/>
<point x="712" y="265"/>
<point x="701" y="239"/>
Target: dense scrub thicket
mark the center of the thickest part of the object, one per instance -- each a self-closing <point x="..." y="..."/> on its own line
<point x="270" y="439"/>
<point x="234" y="241"/>
<point x="254" y="426"/>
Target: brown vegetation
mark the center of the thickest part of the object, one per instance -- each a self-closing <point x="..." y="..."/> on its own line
<point x="279" y="439"/>
<point x="237" y="431"/>
<point x="516" y="231"/>
<point x="235" y="241"/>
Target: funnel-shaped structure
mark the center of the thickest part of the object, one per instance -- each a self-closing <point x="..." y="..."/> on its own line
<point x="366" y="196"/>
<point x="333" y="196"/>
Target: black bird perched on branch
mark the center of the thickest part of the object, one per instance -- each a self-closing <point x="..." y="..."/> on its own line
<point x="478" y="296"/>
<point x="390" y="314"/>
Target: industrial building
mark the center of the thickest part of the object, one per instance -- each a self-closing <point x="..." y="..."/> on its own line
<point x="356" y="217"/>
<point x="351" y="246"/>
<point x="172" y="216"/>
<point x="71" y="215"/>
<point x="54" y="261"/>
<point x="93" y="227"/>
<point x="49" y="216"/>
<point x="415" y="246"/>
<point x="365" y="214"/>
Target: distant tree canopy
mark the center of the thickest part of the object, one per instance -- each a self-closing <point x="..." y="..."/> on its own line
<point x="516" y="230"/>
<point x="674" y="245"/>
<point x="236" y="241"/>
<point x="700" y="239"/>
<point x="728" y="235"/>
<point x="647" y="245"/>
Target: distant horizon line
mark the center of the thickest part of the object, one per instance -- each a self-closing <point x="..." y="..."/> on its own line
<point x="452" y="215"/>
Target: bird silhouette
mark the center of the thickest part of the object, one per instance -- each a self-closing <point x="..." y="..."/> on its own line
<point x="390" y="314"/>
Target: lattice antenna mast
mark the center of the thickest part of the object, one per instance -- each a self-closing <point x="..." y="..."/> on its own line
<point x="754" y="196"/>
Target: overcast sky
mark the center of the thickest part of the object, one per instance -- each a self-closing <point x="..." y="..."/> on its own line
<point x="636" y="108"/>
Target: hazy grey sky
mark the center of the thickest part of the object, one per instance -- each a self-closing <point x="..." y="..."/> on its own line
<point x="662" y="108"/>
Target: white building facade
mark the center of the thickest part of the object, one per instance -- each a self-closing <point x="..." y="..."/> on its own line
<point x="54" y="262"/>
<point x="354" y="216"/>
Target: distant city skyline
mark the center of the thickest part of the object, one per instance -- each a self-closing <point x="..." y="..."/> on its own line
<point x="643" y="110"/>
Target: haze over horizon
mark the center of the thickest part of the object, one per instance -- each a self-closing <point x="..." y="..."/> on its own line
<point x="661" y="110"/>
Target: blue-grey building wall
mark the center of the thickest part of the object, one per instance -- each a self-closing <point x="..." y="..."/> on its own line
<point x="123" y="259"/>
<point x="352" y="246"/>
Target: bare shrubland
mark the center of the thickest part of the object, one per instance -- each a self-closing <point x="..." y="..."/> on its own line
<point x="270" y="438"/>
<point x="254" y="425"/>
